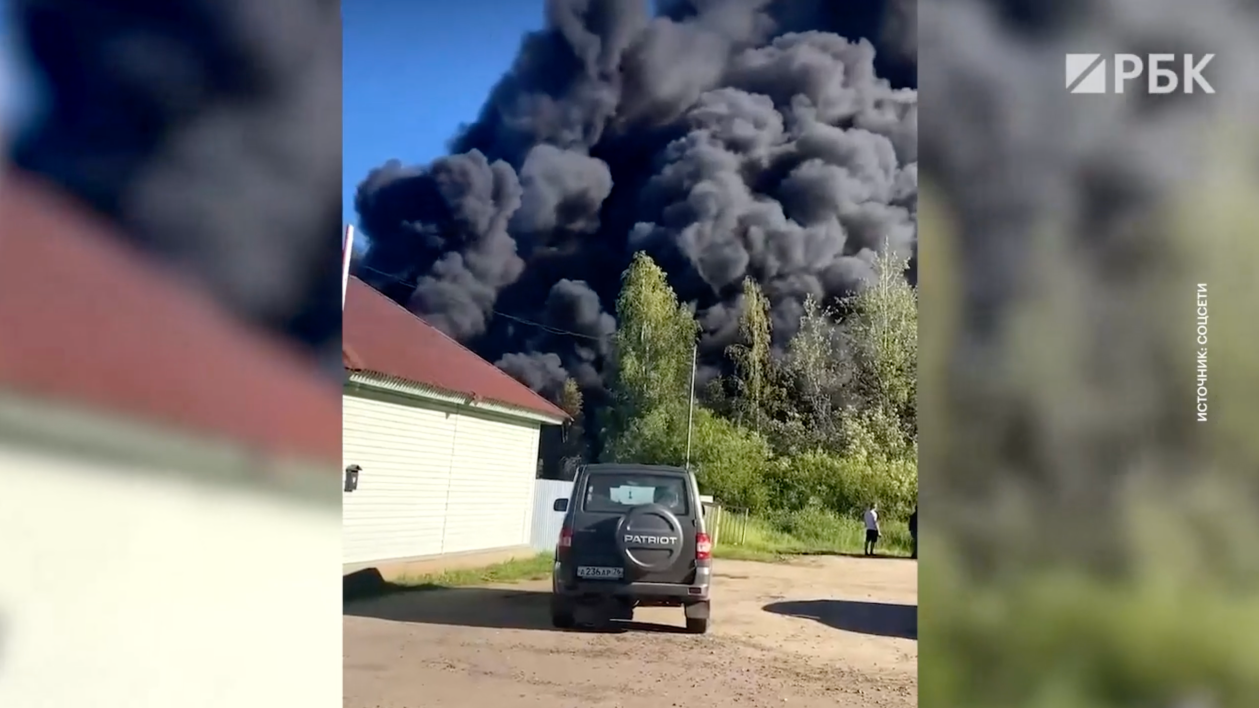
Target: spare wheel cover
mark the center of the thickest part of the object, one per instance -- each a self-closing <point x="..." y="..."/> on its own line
<point x="649" y="530"/>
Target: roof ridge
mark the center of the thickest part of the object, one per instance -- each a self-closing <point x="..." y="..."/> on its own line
<point x="465" y="349"/>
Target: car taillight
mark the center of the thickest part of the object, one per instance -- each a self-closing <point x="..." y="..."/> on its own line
<point x="565" y="542"/>
<point x="703" y="547"/>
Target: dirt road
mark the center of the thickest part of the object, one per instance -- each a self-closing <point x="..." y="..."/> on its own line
<point x="822" y="631"/>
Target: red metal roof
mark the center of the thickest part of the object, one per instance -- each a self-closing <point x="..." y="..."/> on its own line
<point x="381" y="336"/>
<point x="90" y="321"/>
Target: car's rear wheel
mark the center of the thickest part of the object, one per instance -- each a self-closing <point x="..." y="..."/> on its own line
<point x="562" y="614"/>
<point x="697" y="617"/>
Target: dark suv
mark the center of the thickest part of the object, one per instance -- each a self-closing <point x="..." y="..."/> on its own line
<point x="633" y="536"/>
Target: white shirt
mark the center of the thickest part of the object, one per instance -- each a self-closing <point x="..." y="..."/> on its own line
<point x="872" y="520"/>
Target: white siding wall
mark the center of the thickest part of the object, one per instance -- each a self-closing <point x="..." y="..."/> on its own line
<point x="491" y="487"/>
<point x="434" y="482"/>
<point x="404" y="451"/>
<point x="154" y="577"/>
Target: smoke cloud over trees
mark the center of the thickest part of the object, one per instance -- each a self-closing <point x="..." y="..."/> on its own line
<point x="727" y="139"/>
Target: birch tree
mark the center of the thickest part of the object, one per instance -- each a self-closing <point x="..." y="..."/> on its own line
<point x="652" y="348"/>
<point x="754" y="370"/>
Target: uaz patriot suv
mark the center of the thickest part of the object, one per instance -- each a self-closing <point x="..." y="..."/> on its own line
<point x="633" y="536"/>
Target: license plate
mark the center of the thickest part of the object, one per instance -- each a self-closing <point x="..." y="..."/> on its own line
<point x="592" y="572"/>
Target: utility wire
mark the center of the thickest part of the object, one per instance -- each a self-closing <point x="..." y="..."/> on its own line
<point x="544" y="327"/>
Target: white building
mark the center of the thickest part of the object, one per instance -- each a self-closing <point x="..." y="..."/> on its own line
<point x="170" y="484"/>
<point x="445" y="444"/>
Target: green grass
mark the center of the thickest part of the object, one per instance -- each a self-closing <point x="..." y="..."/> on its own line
<point x="771" y="539"/>
<point x="811" y="532"/>
<point x="515" y="570"/>
<point x="367" y="584"/>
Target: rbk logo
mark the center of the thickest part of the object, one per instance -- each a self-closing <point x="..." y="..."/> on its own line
<point x="1086" y="73"/>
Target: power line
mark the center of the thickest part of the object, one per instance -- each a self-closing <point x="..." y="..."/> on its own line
<point x="544" y="327"/>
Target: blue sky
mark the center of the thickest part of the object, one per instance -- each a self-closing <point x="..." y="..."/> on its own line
<point x="412" y="72"/>
<point x="18" y="92"/>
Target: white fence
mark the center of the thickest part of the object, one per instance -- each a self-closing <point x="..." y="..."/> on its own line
<point x="547" y="521"/>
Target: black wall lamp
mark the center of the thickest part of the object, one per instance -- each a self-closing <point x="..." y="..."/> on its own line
<point x="351" y="477"/>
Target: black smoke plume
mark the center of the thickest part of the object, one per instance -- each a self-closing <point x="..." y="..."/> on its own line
<point x="209" y="134"/>
<point x="727" y="138"/>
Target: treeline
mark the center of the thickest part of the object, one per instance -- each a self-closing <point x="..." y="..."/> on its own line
<point x="828" y="424"/>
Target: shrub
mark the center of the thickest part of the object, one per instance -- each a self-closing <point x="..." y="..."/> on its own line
<point x="729" y="461"/>
<point x="843" y="485"/>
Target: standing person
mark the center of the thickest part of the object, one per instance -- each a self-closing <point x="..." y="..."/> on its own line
<point x="872" y="529"/>
<point x="913" y="531"/>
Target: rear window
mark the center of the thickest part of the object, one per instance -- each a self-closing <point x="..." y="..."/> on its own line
<point x="617" y="492"/>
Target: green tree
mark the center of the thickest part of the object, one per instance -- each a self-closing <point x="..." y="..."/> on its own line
<point x="755" y="374"/>
<point x="573" y="449"/>
<point x="715" y="396"/>
<point x="651" y="355"/>
<point x="881" y="342"/>
<point x="818" y="376"/>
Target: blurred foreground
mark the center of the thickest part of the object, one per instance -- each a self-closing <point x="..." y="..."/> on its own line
<point x="168" y="442"/>
<point x="1088" y="541"/>
<point x="171" y="510"/>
